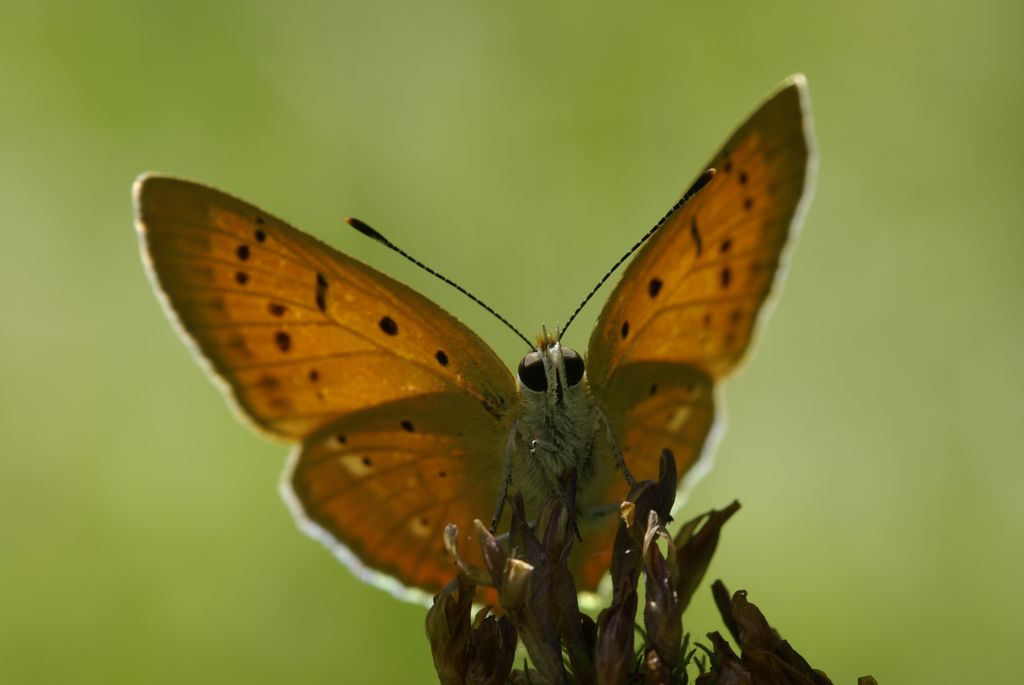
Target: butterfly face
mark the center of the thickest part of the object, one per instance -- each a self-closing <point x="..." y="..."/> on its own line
<point x="404" y="420"/>
<point x="553" y="367"/>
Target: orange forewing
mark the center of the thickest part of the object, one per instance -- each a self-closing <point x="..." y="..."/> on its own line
<point x="683" y="314"/>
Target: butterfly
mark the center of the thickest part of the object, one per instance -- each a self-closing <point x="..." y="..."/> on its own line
<point x="405" y="420"/>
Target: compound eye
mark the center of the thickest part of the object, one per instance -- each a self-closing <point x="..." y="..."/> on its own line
<point x="531" y="372"/>
<point x="573" y="365"/>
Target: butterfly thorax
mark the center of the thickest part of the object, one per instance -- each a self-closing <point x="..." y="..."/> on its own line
<point x="556" y="425"/>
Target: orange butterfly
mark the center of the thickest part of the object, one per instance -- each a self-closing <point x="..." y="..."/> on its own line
<point x="406" y="420"/>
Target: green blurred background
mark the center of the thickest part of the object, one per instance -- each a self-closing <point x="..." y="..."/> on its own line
<point x="874" y="438"/>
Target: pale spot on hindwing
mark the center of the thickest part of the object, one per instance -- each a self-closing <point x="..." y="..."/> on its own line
<point x="420" y="526"/>
<point x="357" y="464"/>
<point x="678" y="418"/>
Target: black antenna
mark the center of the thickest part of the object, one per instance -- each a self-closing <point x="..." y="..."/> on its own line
<point x="370" y="232"/>
<point x="701" y="181"/>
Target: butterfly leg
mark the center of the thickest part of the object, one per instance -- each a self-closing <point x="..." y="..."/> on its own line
<point x="506" y="478"/>
<point x="620" y="459"/>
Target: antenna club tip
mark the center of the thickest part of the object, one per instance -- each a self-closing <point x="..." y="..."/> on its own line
<point x="706" y="176"/>
<point x="699" y="184"/>
<point x="364" y="228"/>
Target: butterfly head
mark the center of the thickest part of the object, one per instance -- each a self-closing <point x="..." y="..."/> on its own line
<point x="552" y="370"/>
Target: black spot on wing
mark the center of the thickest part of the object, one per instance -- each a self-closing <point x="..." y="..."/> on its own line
<point x="695" y="232"/>
<point x="321" y="292"/>
<point x="388" y="325"/>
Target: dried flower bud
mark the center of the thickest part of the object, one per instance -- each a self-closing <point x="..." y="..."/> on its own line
<point x="695" y="548"/>
<point x="494" y="556"/>
<point x="492" y="649"/>
<point x="527" y="595"/>
<point x="482" y="654"/>
<point x="765" y="657"/>
<point x="615" y="656"/>
<point x="662" y="616"/>
<point x="728" y="668"/>
<point x="644" y="497"/>
<point x="448" y="630"/>
<point x="515" y="584"/>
